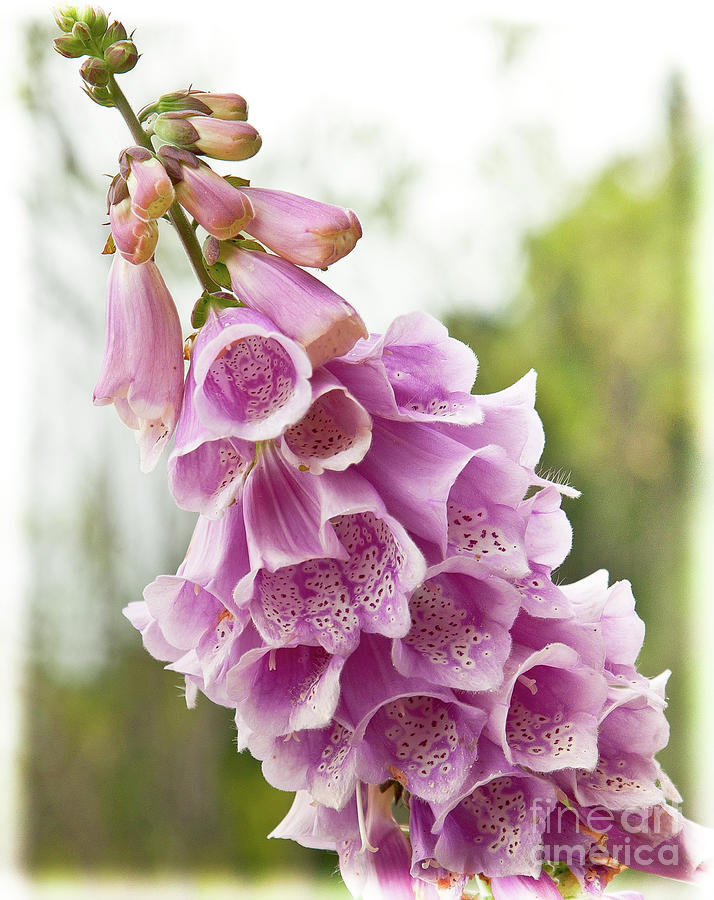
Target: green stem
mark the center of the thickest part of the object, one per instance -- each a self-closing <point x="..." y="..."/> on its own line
<point x="176" y="215"/>
<point x="178" y="219"/>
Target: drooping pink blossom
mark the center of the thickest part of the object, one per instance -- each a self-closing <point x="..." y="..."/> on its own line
<point x="378" y="865"/>
<point x="142" y="372"/>
<point x="300" y="305"/>
<point x="323" y="763"/>
<point x="262" y="687"/>
<point x="327" y="561"/>
<point x="213" y="202"/>
<point x="302" y="231"/>
<point x="193" y="611"/>
<point x="492" y="825"/>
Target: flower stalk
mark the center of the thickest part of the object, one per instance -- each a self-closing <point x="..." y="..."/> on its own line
<point x="175" y="214"/>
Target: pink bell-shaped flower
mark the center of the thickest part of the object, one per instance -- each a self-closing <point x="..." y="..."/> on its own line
<point x="300" y="305"/>
<point x="213" y="202"/>
<point x="302" y="231"/>
<point x="250" y="381"/>
<point x="142" y="373"/>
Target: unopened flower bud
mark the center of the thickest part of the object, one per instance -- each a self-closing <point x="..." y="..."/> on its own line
<point x="121" y="57"/>
<point x="214" y="203"/>
<point x="134" y="238"/>
<point x="142" y="372"/>
<point x="149" y="185"/>
<point x="225" y="106"/>
<point x="95" y="19"/>
<point x="175" y="128"/>
<point x="69" y="46"/>
<point x="80" y="30"/>
<point x="115" y="32"/>
<point x="226" y="139"/>
<point x="66" y="17"/>
<point x="95" y="72"/>
<point x="302" y="231"/>
<point x="211" y="250"/>
<point x="218" y="138"/>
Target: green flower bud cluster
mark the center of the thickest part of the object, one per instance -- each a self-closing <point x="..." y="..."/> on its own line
<point x="110" y="51"/>
<point x="202" y="122"/>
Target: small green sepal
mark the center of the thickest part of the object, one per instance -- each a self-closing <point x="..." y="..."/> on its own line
<point x="95" y="19"/>
<point x="212" y="254"/>
<point x="206" y="302"/>
<point x="100" y="95"/>
<point x="236" y="181"/>
<point x="567" y="884"/>
<point x="115" y="32"/>
<point x="66" y="17"/>
<point x="81" y="31"/>
<point x="248" y="244"/>
<point x="219" y="273"/>
<point x="478" y="889"/>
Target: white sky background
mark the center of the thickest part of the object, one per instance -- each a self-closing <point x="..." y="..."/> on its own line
<point x="427" y="88"/>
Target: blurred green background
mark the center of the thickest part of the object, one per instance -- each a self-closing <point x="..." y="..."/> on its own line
<point x="118" y="775"/>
